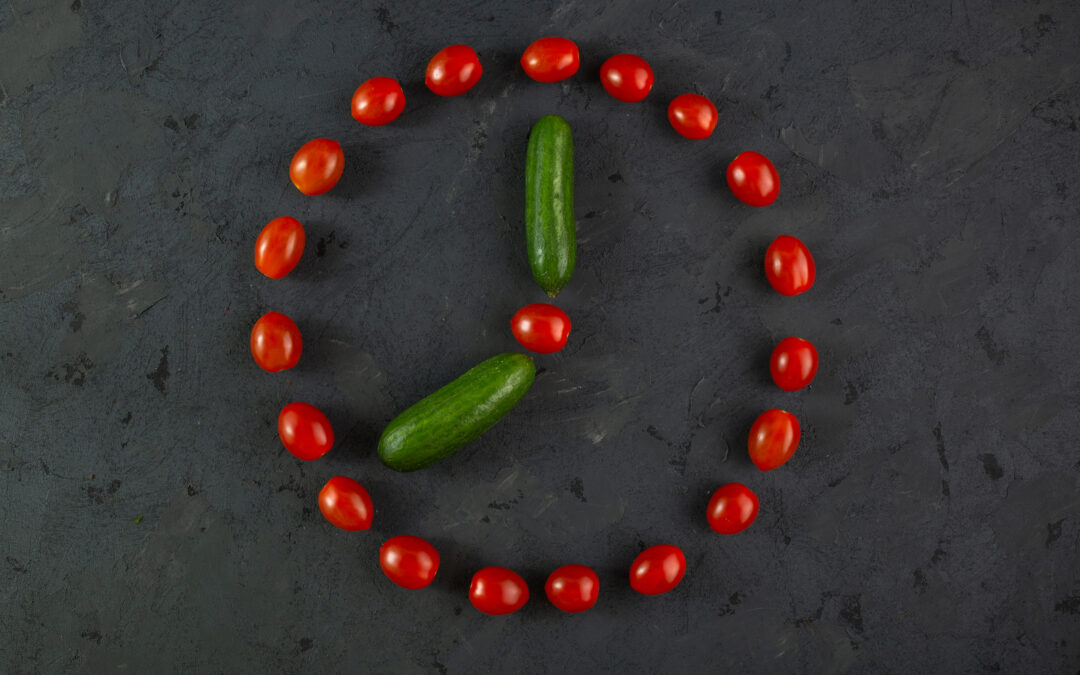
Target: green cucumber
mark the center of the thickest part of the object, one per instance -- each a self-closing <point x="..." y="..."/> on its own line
<point x="438" y="426"/>
<point x="550" y="231"/>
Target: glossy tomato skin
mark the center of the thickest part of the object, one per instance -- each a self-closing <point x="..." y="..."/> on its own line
<point x="378" y="101"/>
<point x="692" y="116"/>
<point x="305" y="431"/>
<point x="793" y="364"/>
<point x="789" y="266"/>
<point x="410" y="562"/>
<point x="317" y="165"/>
<point x="541" y="327"/>
<point x="732" y="509"/>
<point x="453" y="71"/>
<point x="551" y="59"/>
<point x="627" y="77"/>
<point x="773" y="439"/>
<point x="279" y="247"/>
<point x="573" y="588"/>
<point x="753" y="179"/>
<point x="657" y="569"/>
<point x="346" y="504"/>
<point x="275" y="342"/>
<point x="497" y="591"/>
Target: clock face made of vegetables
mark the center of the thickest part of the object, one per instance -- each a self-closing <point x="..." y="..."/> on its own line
<point x="448" y="419"/>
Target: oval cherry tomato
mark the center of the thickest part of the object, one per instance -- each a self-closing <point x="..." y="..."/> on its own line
<point x="657" y="569"/>
<point x="551" y="59"/>
<point x="789" y="266"/>
<point x="453" y="70"/>
<point x="346" y="504"/>
<point x="573" y="588"/>
<point x="541" y="328"/>
<point x="732" y="509"/>
<point x="279" y="247"/>
<point x="378" y="101"/>
<point x="753" y="179"/>
<point x="497" y="591"/>
<point x="793" y="363"/>
<point x="305" y="431"/>
<point x="773" y="439"/>
<point x="317" y="165"/>
<point x="275" y="342"/>
<point x="410" y="562"/>
<point x="693" y="116"/>
<point x="627" y="77"/>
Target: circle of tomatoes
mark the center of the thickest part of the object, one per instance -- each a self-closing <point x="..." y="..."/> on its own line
<point x="773" y="439"/>
<point x="732" y="509"/>
<point x="275" y="342"/>
<point x="541" y="328"/>
<point x="789" y="267"/>
<point x="793" y="364"/>
<point x="410" y="562"/>
<point x="279" y="247"/>
<point x="378" y="101"/>
<point x="317" y="165"/>
<point x="627" y="77"/>
<point x="573" y="588"/>
<point x="305" y="431"/>
<point x="692" y="116"/>
<point x="551" y="59"/>
<point x="453" y="70"/>
<point x="753" y="179"/>
<point x="657" y="569"/>
<point x="497" y="591"/>
<point x="346" y="504"/>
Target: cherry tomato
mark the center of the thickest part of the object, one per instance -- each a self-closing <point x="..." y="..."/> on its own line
<point x="279" y="247"/>
<point x="275" y="342"/>
<point x="789" y="266"/>
<point x="378" y="101"/>
<point x="732" y="509"/>
<point x="551" y="59"/>
<point x="657" y="569"/>
<point x="793" y="363"/>
<point x="773" y="439"/>
<point x="346" y="504"/>
<point x="573" y="588"/>
<point x="453" y="70"/>
<point x="753" y="179"/>
<point x="627" y="77"/>
<point x="497" y="591"/>
<point x="305" y="431"/>
<point x="410" y="562"/>
<point x="541" y="328"/>
<point x="693" y="116"/>
<point x="317" y="165"/>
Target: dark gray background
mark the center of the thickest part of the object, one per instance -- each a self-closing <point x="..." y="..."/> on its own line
<point x="151" y="520"/>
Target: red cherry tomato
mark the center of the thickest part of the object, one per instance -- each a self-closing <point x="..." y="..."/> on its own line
<point x="410" y="562"/>
<point x="773" y="439"/>
<point x="317" y="165"/>
<point x="753" y="179"/>
<point x="275" y="342"/>
<point x="305" y="431"/>
<point x="453" y="70"/>
<point x="627" y="77"/>
<point x="378" y="101"/>
<point x="573" y="588"/>
<point x="346" y="504"/>
<point x="693" y="116"/>
<point x="497" y="591"/>
<point x="551" y="59"/>
<point x="541" y="328"/>
<point x="789" y="266"/>
<point x="793" y="363"/>
<point x="279" y="247"/>
<point x="657" y="569"/>
<point x="732" y="509"/>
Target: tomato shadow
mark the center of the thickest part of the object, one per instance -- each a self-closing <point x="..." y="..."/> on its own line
<point x="363" y="172"/>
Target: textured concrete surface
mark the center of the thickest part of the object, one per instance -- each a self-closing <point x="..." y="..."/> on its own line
<point x="929" y="155"/>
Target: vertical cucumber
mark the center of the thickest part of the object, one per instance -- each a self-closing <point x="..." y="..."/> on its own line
<point x="550" y="231"/>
